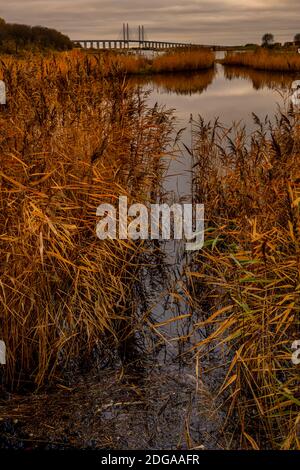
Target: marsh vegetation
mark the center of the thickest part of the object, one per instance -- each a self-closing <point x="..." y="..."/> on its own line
<point x="263" y="59"/>
<point x="82" y="129"/>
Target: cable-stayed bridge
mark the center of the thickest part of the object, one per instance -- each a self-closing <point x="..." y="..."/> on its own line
<point x="131" y="40"/>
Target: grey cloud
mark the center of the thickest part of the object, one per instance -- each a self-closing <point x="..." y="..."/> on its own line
<point x="202" y="21"/>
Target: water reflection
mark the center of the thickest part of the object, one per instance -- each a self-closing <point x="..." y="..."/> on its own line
<point x="261" y="79"/>
<point x="231" y="95"/>
<point x="178" y="83"/>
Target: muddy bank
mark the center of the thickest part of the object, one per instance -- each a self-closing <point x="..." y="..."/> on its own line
<point x="160" y="410"/>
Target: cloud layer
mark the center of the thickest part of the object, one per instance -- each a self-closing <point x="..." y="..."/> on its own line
<point x="201" y="21"/>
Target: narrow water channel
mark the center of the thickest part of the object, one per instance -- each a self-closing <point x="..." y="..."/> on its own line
<point x="166" y="405"/>
<point x="232" y="96"/>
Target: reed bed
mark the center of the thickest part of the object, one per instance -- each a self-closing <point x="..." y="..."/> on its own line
<point x="70" y="140"/>
<point x="264" y="60"/>
<point x="170" y="62"/>
<point x="183" y="61"/>
<point x="130" y="64"/>
<point x="247" y="279"/>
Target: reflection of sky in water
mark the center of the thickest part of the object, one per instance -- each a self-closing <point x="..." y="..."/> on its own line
<point x="231" y="100"/>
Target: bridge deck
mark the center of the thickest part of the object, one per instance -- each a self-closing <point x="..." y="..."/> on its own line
<point x="123" y="44"/>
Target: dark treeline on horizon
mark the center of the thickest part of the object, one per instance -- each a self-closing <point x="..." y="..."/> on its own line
<point x="18" y="37"/>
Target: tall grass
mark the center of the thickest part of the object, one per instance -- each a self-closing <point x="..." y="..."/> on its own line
<point x="248" y="274"/>
<point x="169" y="62"/>
<point x="264" y="60"/>
<point x="131" y="64"/>
<point x="186" y="60"/>
<point x="70" y="140"/>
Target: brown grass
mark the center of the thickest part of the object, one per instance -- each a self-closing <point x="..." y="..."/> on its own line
<point x="248" y="274"/>
<point x="169" y="62"/>
<point x="264" y="60"/>
<point x="69" y="141"/>
<point x="181" y="61"/>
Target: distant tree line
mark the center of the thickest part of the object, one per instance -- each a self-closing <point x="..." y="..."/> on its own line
<point x="18" y="37"/>
<point x="268" y="40"/>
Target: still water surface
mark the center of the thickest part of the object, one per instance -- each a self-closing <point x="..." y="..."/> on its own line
<point x="172" y="406"/>
<point x="230" y="94"/>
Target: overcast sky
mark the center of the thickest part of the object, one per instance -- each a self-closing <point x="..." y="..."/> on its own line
<point x="199" y="21"/>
